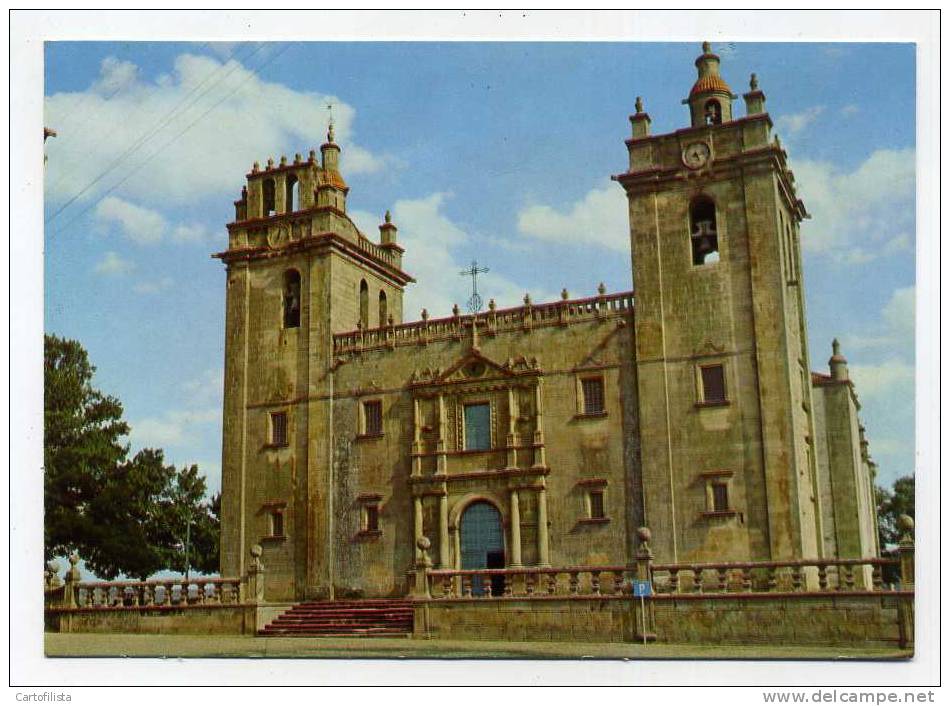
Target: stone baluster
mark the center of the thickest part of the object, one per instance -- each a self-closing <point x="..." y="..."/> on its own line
<point x="723" y="575"/>
<point x="877" y="581"/>
<point x="823" y="577"/>
<point x="849" y="577"/>
<point x="747" y="579"/>
<point x="595" y="582"/>
<point x="697" y="579"/>
<point x="552" y="583"/>
<point x="530" y="580"/>
<point x="448" y="586"/>
<point x="486" y="585"/>
<point x="467" y="585"/>
<point x="618" y="583"/>
<point x="674" y="580"/>
<point x="773" y="578"/>
<point x="796" y="578"/>
<point x="510" y="584"/>
<point x="574" y="582"/>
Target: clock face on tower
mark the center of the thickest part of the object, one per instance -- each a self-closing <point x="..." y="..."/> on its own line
<point x="696" y="155"/>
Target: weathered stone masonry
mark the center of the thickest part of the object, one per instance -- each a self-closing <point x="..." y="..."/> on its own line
<point x="349" y="434"/>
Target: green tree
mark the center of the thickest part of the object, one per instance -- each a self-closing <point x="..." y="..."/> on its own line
<point x="122" y="515"/>
<point x="891" y="504"/>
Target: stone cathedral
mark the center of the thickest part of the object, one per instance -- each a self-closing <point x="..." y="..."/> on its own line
<point x="547" y="433"/>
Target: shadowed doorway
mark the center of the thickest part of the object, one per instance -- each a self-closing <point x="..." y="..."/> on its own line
<point x="483" y="544"/>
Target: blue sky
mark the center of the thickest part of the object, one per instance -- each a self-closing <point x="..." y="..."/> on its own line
<point x="498" y="151"/>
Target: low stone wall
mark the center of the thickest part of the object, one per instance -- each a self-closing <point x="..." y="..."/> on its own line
<point x="576" y="619"/>
<point x="790" y="619"/>
<point x="173" y="620"/>
<point x="803" y="619"/>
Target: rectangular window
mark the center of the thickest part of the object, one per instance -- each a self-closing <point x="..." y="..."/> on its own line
<point x="593" y="389"/>
<point x="371" y="518"/>
<point x="373" y="418"/>
<point x="477" y="427"/>
<point x="597" y="504"/>
<point x="720" y="493"/>
<point x="714" y="383"/>
<point x="277" y="523"/>
<point x="278" y="429"/>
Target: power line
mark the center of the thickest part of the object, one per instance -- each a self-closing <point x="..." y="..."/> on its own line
<point x="165" y="145"/>
<point x="80" y="125"/>
<point x="162" y="123"/>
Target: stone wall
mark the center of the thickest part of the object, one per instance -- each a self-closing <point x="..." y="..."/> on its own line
<point x="191" y="620"/>
<point x="795" y="620"/>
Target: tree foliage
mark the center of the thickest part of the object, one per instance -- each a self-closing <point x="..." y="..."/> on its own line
<point x="891" y="504"/>
<point x="122" y="515"/>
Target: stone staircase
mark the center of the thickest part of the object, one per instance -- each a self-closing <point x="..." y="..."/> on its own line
<point x="356" y="618"/>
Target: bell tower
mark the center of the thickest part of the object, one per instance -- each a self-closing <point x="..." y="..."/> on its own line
<point x="298" y="272"/>
<point x="727" y="455"/>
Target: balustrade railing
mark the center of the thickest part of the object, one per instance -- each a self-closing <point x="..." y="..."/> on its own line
<point x="157" y="593"/>
<point x="791" y="576"/>
<point x="804" y="576"/>
<point x="531" y="582"/>
<point x="493" y="321"/>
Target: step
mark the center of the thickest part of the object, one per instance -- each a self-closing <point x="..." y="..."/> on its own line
<point x="349" y="618"/>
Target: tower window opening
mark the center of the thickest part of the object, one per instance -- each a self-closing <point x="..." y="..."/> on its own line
<point x="383" y="312"/>
<point x="269" y="198"/>
<point x="364" y="304"/>
<point x="293" y="193"/>
<point x="291" y="299"/>
<point x="712" y="112"/>
<point x="704" y="236"/>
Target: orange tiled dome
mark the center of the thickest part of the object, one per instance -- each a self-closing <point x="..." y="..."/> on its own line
<point x="708" y="84"/>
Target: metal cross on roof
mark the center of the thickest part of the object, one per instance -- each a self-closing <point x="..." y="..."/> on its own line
<point x="475" y="302"/>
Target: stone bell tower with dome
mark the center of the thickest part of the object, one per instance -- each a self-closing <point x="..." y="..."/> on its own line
<point x="727" y="435"/>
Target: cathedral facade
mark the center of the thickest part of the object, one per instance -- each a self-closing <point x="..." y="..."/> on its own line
<point x="547" y="433"/>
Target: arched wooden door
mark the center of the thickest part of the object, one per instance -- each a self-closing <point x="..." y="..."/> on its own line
<point x="483" y="543"/>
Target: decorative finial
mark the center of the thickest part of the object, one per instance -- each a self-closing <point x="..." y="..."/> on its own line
<point x="639" y="104"/>
<point x="313" y="156"/>
<point x="283" y="160"/>
<point x="388" y="217"/>
<point x="425" y="314"/>
<point x="455" y="310"/>
<point x="527" y="299"/>
<point x="330" y="124"/>
<point x="707" y="48"/>
<point x="297" y="158"/>
<point x="256" y="168"/>
<point x="601" y="289"/>
<point x="270" y="162"/>
<point x="491" y="304"/>
<point x="754" y="82"/>
<point x="564" y="294"/>
<point x="836" y="347"/>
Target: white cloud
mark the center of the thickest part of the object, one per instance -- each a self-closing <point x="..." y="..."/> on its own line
<point x="600" y="218"/>
<point x="895" y="328"/>
<point x="174" y="427"/>
<point x="140" y="225"/>
<point x="249" y="119"/>
<point x="859" y="215"/>
<point x="437" y="249"/>
<point x="112" y="264"/>
<point x="792" y="124"/>
<point x="884" y="380"/>
<point x="190" y="233"/>
<point x="153" y="286"/>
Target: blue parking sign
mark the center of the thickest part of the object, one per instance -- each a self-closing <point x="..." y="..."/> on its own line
<point x="642" y="587"/>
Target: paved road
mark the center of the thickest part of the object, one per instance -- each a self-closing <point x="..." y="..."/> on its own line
<point x="110" y="645"/>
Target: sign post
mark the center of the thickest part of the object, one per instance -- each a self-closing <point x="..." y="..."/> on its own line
<point x="643" y="588"/>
